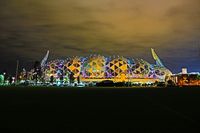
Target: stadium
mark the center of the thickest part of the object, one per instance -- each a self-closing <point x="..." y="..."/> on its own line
<point x="98" y="68"/>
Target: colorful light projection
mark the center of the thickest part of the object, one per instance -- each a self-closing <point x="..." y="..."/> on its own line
<point x="94" y="67"/>
<point x="117" y="67"/>
<point x="100" y="67"/>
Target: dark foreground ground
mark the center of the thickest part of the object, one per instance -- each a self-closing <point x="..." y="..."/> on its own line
<point x="104" y="110"/>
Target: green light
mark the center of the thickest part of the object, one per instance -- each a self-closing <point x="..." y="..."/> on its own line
<point x="1" y="79"/>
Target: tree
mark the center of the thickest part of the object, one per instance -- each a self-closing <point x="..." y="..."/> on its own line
<point x="51" y="79"/>
<point x="71" y="77"/>
<point x="37" y="71"/>
<point x="1" y="79"/>
<point x="171" y="83"/>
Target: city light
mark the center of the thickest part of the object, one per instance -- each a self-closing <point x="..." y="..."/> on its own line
<point x="94" y="69"/>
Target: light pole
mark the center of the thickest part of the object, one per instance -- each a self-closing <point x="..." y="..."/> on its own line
<point x="17" y="69"/>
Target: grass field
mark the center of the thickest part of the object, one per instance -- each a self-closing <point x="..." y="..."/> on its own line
<point x="69" y="110"/>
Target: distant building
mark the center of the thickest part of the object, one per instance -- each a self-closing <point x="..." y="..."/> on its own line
<point x="186" y="79"/>
<point x="184" y="70"/>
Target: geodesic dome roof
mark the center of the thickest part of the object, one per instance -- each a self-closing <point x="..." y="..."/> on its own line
<point x="105" y="67"/>
<point x="117" y="66"/>
<point x="94" y="67"/>
<point x="74" y="66"/>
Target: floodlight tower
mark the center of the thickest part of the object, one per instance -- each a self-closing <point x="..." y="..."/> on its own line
<point x="43" y="64"/>
<point x="44" y="61"/>
<point x="156" y="58"/>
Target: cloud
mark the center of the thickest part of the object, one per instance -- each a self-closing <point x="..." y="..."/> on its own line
<point x="76" y="27"/>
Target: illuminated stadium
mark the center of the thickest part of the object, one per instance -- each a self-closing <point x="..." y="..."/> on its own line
<point x="97" y="68"/>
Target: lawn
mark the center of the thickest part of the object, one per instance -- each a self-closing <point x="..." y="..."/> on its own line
<point x="54" y="109"/>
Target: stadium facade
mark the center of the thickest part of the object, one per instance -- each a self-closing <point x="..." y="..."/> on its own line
<point x="97" y="68"/>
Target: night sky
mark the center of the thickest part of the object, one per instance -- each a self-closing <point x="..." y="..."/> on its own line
<point x="28" y="28"/>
